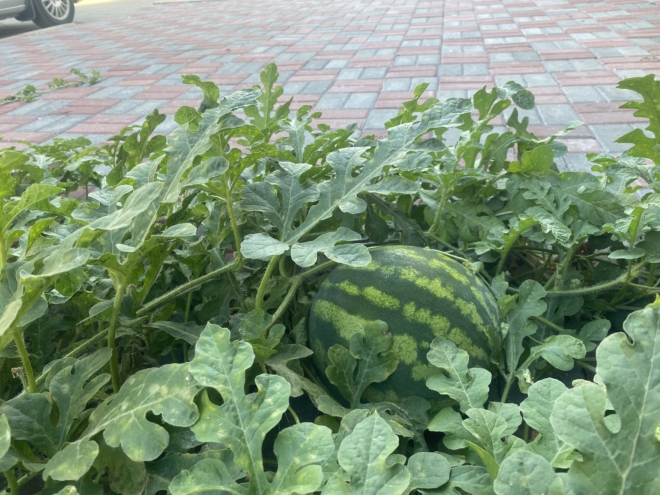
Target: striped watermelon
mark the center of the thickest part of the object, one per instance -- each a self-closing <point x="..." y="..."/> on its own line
<point x="421" y="294"/>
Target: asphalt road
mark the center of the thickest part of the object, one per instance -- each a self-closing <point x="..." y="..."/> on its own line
<point x="86" y="11"/>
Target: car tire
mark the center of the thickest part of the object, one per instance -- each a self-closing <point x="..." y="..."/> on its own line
<point x="48" y="13"/>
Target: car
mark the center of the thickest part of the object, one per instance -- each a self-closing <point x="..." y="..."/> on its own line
<point x="44" y="13"/>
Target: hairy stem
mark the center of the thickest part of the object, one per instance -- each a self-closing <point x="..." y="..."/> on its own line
<point x="548" y="323"/>
<point x="112" y="344"/>
<point x="651" y="275"/>
<point x="12" y="484"/>
<point x="586" y="366"/>
<point x="237" y="290"/>
<point x="295" y="416"/>
<point x="188" y="286"/>
<point x="438" y="215"/>
<point x="594" y="288"/>
<point x="25" y="359"/>
<point x="261" y="292"/>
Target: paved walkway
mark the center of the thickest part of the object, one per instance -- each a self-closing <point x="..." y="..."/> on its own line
<point x="355" y="60"/>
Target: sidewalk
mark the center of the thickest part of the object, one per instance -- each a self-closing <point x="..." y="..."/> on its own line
<point x="356" y="61"/>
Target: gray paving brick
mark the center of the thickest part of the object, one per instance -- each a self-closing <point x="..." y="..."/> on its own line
<point x="404" y="60"/>
<point x="135" y="107"/>
<point x="316" y="64"/>
<point x="365" y="53"/>
<point x="556" y="114"/>
<point x="432" y="82"/>
<point x="534" y="117"/>
<point x="501" y="57"/>
<point x="583" y="94"/>
<point x="349" y="74"/>
<point x="332" y="101"/>
<point x="540" y="80"/>
<point x="526" y="56"/>
<point x="428" y="59"/>
<point x="339" y="63"/>
<point x="40" y="107"/>
<point x="450" y="70"/>
<point x="587" y="64"/>
<point x="386" y="52"/>
<point x="631" y="73"/>
<point x="574" y="162"/>
<point x="374" y="73"/>
<point x="118" y="92"/>
<point x="615" y="94"/>
<point x="397" y="84"/>
<point x="294" y="88"/>
<point x="558" y="66"/>
<point x="317" y="87"/>
<point x="476" y="70"/>
<point x="377" y="118"/>
<point x="361" y="100"/>
<point x="606" y="134"/>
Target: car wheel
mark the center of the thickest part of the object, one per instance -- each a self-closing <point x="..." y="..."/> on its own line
<point x="53" y="12"/>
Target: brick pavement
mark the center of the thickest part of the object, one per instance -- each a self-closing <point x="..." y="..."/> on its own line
<point x="356" y="61"/>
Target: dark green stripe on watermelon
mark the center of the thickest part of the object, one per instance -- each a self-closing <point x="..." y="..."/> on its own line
<point x="421" y="294"/>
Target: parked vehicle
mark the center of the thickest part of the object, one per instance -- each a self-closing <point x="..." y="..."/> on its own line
<point x="44" y="13"/>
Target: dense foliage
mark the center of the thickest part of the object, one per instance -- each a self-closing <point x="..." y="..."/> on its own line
<point x="154" y="294"/>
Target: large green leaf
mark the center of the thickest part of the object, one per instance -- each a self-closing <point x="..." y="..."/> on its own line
<point x="305" y="254"/>
<point x="530" y="304"/>
<point x="623" y="460"/>
<point x="527" y="474"/>
<point x="243" y="421"/>
<point x="364" y="459"/>
<point x="537" y="409"/>
<point x="168" y="391"/>
<point x="468" y="387"/>
<point x="369" y="360"/>
<point x="71" y="389"/>
<point x="649" y="89"/>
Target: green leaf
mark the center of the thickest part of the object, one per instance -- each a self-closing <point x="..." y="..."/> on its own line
<point x="127" y="477"/>
<point x="262" y="247"/>
<point x="209" y="90"/>
<point x="527" y="474"/>
<point x="428" y="470"/>
<point x="363" y="456"/>
<point x="35" y="197"/>
<point x="537" y="409"/>
<point x="5" y="435"/>
<point x="168" y="391"/>
<point x="161" y="472"/>
<point x="188" y="332"/>
<point x="306" y="254"/>
<point x="595" y="205"/>
<point x="207" y="476"/>
<point x="369" y="360"/>
<point x="559" y="351"/>
<point x="71" y="389"/>
<point x="474" y="480"/>
<point x="617" y="462"/>
<point x="649" y="89"/>
<point x="266" y="121"/>
<point x="243" y="421"/>
<point x="61" y="261"/>
<point x="256" y="329"/>
<point x="468" y="387"/>
<point x="530" y="304"/>
<point x="489" y="429"/>
<point x="536" y="161"/>
<point x="594" y="331"/>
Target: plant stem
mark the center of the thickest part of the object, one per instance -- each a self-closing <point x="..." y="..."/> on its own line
<point x="590" y="290"/>
<point x="11" y="481"/>
<point x="524" y="225"/>
<point x="438" y="214"/>
<point x="585" y="366"/>
<point x="232" y="216"/>
<point x="186" y="318"/>
<point x="3" y="256"/>
<point x="507" y="388"/>
<point x="261" y="292"/>
<point x="25" y="359"/>
<point x="651" y="276"/>
<point x="526" y="432"/>
<point x="187" y="287"/>
<point x="295" y="416"/>
<point x="548" y="323"/>
<point x="112" y="344"/>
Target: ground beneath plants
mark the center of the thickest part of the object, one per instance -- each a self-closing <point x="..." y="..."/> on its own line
<point x="356" y="61"/>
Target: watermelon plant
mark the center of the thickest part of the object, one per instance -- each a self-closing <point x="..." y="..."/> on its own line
<point x="260" y="304"/>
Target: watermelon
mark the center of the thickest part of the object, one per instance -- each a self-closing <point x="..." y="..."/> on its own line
<point x="421" y="294"/>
